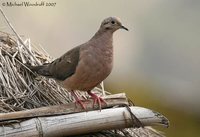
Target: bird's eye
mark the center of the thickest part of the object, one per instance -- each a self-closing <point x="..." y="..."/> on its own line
<point x="113" y="22"/>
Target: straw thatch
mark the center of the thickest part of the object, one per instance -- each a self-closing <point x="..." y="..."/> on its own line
<point x="19" y="88"/>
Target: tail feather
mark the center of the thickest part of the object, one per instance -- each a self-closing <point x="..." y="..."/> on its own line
<point x="42" y="70"/>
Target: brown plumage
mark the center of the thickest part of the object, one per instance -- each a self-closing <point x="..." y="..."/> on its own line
<point x="85" y="66"/>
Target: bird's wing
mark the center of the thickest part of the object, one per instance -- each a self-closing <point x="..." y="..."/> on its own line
<point x="62" y="67"/>
<point x="65" y="66"/>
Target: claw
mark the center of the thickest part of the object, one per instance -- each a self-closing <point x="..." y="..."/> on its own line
<point x="78" y="101"/>
<point x="96" y="99"/>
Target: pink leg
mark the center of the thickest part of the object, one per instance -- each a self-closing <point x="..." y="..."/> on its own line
<point x="78" y="101"/>
<point x="96" y="99"/>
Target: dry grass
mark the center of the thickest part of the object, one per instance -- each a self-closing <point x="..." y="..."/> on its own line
<point x="20" y="88"/>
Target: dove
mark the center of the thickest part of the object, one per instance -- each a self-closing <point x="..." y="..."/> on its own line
<point x="87" y="65"/>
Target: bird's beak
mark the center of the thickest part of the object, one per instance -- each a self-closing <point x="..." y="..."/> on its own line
<point x="122" y="27"/>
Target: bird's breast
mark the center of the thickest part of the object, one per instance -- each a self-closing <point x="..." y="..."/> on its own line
<point x="94" y="66"/>
<point x="99" y="62"/>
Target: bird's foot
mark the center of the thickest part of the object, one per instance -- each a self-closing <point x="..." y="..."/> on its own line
<point x="96" y="99"/>
<point x="81" y="104"/>
<point x="78" y="101"/>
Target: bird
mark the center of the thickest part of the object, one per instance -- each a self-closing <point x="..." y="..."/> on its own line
<point x="87" y="65"/>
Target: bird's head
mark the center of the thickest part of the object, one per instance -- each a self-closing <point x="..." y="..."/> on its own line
<point x="112" y="24"/>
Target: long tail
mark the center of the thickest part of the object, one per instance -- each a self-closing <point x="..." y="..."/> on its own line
<point x="42" y="69"/>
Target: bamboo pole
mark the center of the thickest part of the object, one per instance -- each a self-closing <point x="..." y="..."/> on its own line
<point x="82" y="123"/>
<point x="111" y="100"/>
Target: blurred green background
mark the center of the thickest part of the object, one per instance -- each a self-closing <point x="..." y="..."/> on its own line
<point x="157" y="63"/>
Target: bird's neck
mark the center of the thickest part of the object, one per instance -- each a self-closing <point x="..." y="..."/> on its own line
<point x="102" y="32"/>
<point x="103" y="43"/>
<point x="104" y="37"/>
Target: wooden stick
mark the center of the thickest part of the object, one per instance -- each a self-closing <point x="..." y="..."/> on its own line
<point x="82" y="123"/>
<point x="111" y="100"/>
